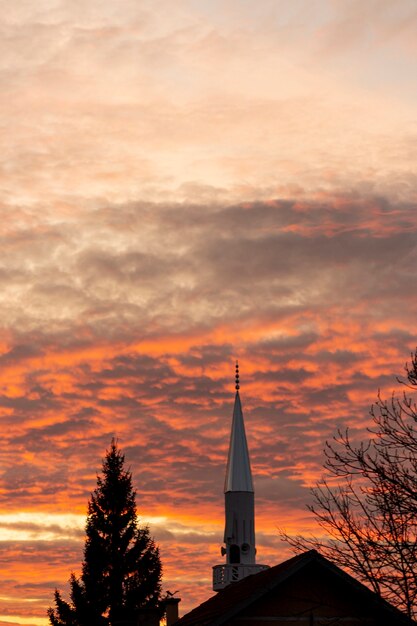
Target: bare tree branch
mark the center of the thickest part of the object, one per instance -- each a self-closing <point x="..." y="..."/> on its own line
<point x="368" y="508"/>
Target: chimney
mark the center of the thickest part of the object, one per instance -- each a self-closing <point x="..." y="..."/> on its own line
<point x="171" y="610"/>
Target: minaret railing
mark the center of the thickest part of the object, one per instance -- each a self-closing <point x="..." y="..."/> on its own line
<point x="225" y="574"/>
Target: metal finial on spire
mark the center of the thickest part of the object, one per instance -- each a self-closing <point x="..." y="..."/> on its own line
<point x="237" y="387"/>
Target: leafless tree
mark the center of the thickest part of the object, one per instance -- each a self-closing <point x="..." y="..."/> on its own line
<point x="367" y="504"/>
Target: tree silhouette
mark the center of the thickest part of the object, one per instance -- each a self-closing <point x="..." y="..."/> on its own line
<point x="367" y="505"/>
<point x="121" y="571"/>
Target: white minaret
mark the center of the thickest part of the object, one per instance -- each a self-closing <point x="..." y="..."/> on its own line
<point x="239" y="532"/>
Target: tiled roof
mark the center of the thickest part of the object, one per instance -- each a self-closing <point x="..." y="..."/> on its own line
<point x="225" y="604"/>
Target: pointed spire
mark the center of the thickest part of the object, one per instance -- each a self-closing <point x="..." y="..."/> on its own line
<point x="238" y="473"/>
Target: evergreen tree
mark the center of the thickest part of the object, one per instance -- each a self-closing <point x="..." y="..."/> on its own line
<point x="121" y="572"/>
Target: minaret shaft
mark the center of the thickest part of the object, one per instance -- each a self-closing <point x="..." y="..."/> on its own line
<point x="239" y="532"/>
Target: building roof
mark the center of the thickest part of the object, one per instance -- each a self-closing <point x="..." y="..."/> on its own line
<point x="235" y="598"/>
<point x="238" y="472"/>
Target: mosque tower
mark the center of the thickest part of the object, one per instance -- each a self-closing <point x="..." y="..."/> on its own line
<point x="239" y="533"/>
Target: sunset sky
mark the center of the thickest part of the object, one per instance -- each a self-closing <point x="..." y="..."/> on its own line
<point x="184" y="183"/>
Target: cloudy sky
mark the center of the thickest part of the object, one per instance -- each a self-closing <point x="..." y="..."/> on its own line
<point x="184" y="183"/>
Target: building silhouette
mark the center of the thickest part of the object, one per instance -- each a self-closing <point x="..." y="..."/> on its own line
<point x="307" y="589"/>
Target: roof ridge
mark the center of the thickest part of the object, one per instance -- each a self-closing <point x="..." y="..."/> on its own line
<point x="217" y="610"/>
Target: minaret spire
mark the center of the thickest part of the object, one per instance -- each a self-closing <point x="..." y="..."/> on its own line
<point x="239" y="533"/>
<point x="238" y="472"/>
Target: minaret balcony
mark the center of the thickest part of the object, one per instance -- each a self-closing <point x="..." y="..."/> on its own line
<point x="224" y="575"/>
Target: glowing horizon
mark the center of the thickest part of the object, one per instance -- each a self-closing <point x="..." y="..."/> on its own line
<point x="184" y="184"/>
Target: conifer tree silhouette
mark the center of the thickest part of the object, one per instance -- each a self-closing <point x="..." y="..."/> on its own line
<point x="121" y="571"/>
